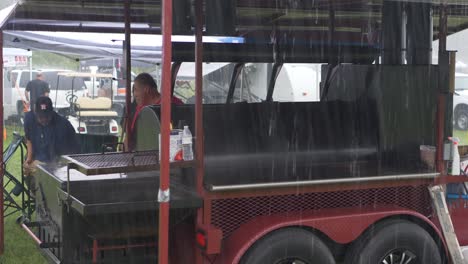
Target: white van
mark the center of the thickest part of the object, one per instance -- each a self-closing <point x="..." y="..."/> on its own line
<point x="14" y="100"/>
<point x="13" y="92"/>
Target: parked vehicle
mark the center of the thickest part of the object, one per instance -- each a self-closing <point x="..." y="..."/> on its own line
<point x="113" y="67"/>
<point x="89" y="109"/>
<point x="298" y="82"/>
<point x="13" y="59"/>
<point x="14" y="101"/>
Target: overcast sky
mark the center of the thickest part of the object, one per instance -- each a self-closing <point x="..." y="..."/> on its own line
<point x="5" y="3"/>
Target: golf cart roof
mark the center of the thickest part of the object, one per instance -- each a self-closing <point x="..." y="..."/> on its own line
<point x="85" y="74"/>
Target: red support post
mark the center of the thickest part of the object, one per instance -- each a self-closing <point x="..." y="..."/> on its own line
<point x="95" y="250"/>
<point x="2" y="220"/>
<point x="441" y="98"/>
<point x="199" y="145"/>
<point x="440" y="133"/>
<point x="128" y="64"/>
<point x="164" y="195"/>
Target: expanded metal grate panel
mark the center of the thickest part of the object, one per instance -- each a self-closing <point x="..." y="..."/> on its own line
<point x="120" y="162"/>
<point x="230" y="214"/>
<point x="108" y="160"/>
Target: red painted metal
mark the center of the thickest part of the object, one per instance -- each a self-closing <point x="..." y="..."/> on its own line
<point x="128" y="64"/>
<point x="445" y="179"/>
<point x="209" y="239"/>
<point x="441" y="105"/>
<point x="458" y="214"/>
<point x="231" y="210"/>
<point x="2" y="220"/>
<point x="183" y="243"/>
<point x="163" y="250"/>
<point x="31" y="234"/>
<point x="95" y="250"/>
<point x="207" y="202"/>
<point x="199" y="143"/>
<point x="341" y="225"/>
<point x="232" y="213"/>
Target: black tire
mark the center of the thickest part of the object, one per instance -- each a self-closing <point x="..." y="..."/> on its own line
<point x="287" y="246"/>
<point x="394" y="239"/>
<point x="461" y="119"/>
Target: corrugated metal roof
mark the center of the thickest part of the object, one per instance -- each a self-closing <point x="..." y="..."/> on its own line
<point x="302" y="26"/>
<point x="310" y="17"/>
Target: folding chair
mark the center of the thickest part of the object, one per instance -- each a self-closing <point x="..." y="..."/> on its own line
<point x="15" y="185"/>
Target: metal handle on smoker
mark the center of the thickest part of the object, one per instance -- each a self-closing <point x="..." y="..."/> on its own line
<point x="70" y="166"/>
<point x="40" y="243"/>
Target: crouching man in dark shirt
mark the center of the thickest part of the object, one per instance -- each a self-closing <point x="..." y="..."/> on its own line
<point x="48" y="135"/>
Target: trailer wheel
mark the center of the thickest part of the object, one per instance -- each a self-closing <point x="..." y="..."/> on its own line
<point x="461" y="118"/>
<point x="289" y="246"/>
<point x="396" y="241"/>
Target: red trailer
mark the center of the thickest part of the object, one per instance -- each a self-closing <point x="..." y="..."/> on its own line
<point x="343" y="180"/>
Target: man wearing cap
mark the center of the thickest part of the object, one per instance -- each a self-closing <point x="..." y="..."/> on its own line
<point x="48" y="135"/>
<point x="35" y="89"/>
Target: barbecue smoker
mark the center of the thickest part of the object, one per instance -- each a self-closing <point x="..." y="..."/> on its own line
<point x="102" y="208"/>
<point x="339" y="180"/>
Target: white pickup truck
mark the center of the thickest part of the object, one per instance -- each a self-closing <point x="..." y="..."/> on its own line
<point x="14" y="101"/>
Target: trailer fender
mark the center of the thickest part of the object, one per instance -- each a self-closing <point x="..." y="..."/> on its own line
<point x="341" y="225"/>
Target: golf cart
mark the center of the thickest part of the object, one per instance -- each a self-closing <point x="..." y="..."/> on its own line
<point x="91" y="112"/>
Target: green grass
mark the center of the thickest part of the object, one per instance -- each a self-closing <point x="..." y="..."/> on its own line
<point x="19" y="247"/>
<point x="462" y="135"/>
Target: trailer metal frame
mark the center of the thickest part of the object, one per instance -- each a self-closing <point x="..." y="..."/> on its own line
<point x="205" y="215"/>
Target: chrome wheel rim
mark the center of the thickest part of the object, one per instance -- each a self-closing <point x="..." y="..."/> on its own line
<point x="400" y="256"/>
<point x="462" y="121"/>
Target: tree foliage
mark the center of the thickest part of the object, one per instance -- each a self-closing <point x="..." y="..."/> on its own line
<point x="47" y="60"/>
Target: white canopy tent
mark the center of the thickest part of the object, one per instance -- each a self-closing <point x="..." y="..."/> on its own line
<point x="88" y="46"/>
<point x="16" y="52"/>
<point x="456" y="42"/>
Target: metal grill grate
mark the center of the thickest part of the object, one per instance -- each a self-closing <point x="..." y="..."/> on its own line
<point x="120" y="162"/>
<point x="230" y="214"/>
<point x="109" y="160"/>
